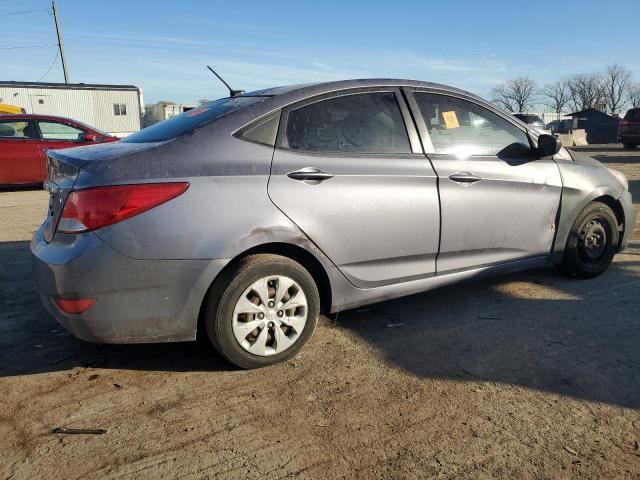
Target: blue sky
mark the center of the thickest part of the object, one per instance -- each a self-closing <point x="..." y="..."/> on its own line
<point x="163" y="46"/>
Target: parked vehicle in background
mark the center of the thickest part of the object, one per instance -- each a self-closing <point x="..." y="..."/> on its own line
<point x="25" y="139"/>
<point x="532" y="120"/>
<point x="560" y="126"/>
<point x="629" y="132"/>
<point x="246" y="217"/>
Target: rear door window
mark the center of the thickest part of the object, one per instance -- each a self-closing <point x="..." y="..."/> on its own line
<point x="355" y="123"/>
<point x="190" y="120"/>
<point x="17" y="129"/>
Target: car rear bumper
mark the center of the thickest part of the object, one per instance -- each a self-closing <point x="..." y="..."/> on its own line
<point x="629" y="218"/>
<point x="137" y="301"/>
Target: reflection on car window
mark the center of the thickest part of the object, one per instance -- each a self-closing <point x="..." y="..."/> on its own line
<point x="190" y="120"/>
<point x="16" y="130"/>
<point x="357" y="123"/>
<point x="463" y="128"/>
<point x="59" y="131"/>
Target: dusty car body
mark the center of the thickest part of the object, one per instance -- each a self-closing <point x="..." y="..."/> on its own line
<point x="418" y="214"/>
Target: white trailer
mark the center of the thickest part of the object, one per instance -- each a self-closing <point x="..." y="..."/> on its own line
<point x="114" y="109"/>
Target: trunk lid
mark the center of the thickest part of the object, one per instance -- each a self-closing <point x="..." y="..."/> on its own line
<point x="63" y="169"/>
<point x="78" y="156"/>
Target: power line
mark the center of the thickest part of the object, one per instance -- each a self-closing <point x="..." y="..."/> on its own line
<point x="50" y="66"/>
<point x="23" y="12"/>
<point x="15" y="47"/>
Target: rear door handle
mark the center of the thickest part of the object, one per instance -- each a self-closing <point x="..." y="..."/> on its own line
<point x="310" y="173"/>
<point x="464" y="178"/>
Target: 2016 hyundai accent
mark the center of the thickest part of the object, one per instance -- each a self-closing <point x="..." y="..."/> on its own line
<point x="245" y="218"/>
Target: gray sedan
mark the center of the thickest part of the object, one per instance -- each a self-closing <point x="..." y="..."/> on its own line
<point x="245" y="218"/>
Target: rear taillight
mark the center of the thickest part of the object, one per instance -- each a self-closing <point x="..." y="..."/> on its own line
<point x="98" y="207"/>
<point x="75" y="305"/>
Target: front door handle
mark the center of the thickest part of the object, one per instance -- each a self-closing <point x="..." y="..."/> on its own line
<point x="310" y="173"/>
<point x="464" y="178"/>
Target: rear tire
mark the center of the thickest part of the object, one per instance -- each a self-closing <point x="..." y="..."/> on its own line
<point x="272" y="293"/>
<point x="592" y="243"/>
<point x="629" y="146"/>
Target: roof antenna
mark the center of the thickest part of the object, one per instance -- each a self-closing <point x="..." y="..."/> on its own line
<point x="232" y="92"/>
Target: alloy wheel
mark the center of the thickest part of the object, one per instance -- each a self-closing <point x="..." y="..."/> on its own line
<point x="270" y="315"/>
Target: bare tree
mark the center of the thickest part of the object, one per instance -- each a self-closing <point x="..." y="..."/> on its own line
<point x="587" y="90"/>
<point x="557" y="96"/>
<point x="515" y="95"/>
<point x="633" y="94"/>
<point x="616" y="79"/>
<point x="501" y="97"/>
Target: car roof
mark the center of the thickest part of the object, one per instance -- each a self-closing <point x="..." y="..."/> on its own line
<point x="296" y="92"/>
<point x="23" y="116"/>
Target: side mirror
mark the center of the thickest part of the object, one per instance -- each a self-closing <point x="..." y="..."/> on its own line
<point x="89" y="137"/>
<point x="548" y="145"/>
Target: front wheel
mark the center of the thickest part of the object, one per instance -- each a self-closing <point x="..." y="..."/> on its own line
<point x="262" y="311"/>
<point x="592" y="242"/>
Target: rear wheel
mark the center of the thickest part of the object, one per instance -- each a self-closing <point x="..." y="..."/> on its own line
<point x="262" y="311"/>
<point x="592" y="242"/>
<point x="629" y="146"/>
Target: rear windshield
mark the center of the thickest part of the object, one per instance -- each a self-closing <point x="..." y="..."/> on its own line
<point x="188" y="121"/>
<point x="633" y="115"/>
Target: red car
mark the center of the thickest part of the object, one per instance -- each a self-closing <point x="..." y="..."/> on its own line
<point x="25" y="139"/>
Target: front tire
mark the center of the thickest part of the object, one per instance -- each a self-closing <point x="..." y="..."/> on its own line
<point x="592" y="243"/>
<point x="262" y="311"/>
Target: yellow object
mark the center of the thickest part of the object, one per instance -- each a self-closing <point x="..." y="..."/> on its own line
<point x="450" y="119"/>
<point x="10" y="109"/>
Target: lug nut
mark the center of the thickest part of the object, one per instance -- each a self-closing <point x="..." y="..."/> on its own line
<point x="271" y="304"/>
<point x="261" y="316"/>
<point x="280" y="313"/>
<point x="270" y="324"/>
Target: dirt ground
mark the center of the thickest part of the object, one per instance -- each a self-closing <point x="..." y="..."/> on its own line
<point x="531" y="375"/>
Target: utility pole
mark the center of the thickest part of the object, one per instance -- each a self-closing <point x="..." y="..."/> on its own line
<point x="54" y="7"/>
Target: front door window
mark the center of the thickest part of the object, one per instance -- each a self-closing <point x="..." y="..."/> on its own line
<point x="60" y="131"/>
<point x="462" y="128"/>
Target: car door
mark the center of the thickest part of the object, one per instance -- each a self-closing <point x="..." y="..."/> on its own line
<point x="499" y="203"/>
<point x="348" y="169"/>
<point x="19" y="153"/>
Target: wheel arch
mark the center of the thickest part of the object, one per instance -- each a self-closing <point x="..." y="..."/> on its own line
<point x="616" y="206"/>
<point x="568" y="216"/>
<point x="294" y="252"/>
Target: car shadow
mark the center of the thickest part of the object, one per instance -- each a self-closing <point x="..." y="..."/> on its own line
<point x="20" y="188"/>
<point x="536" y="329"/>
<point x="31" y="341"/>
<point x="614" y="147"/>
<point x="629" y="160"/>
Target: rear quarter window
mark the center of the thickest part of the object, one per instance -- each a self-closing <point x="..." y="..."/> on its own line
<point x="189" y="121"/>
